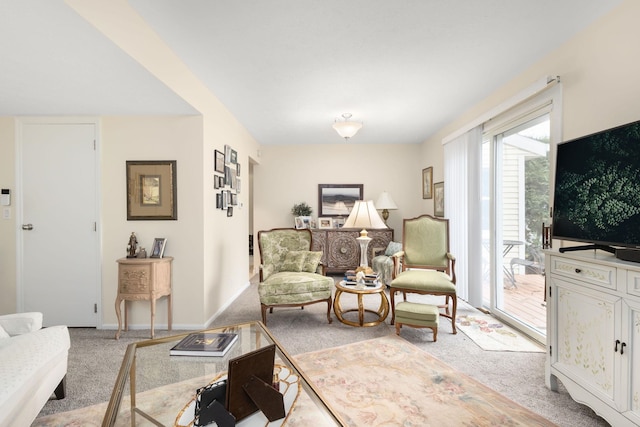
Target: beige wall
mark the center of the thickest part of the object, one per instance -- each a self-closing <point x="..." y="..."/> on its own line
<point x="7" y="226"/>
<point x="154" y="138"/>
<point x="290" y="174"/>
<point x="599" y="71"/>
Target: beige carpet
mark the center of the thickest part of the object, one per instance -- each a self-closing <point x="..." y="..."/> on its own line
<point x="492" y="335"/>
<point x="384" y="381"/>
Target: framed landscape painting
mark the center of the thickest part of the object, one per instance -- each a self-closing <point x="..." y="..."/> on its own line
<point x="427" y="180"/>
<point x="338" y="199"/>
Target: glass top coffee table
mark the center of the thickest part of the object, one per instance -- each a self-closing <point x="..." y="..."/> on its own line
<point x="155" y="388"/>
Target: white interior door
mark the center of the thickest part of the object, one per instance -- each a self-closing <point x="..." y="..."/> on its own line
<point x="59" y="272"/>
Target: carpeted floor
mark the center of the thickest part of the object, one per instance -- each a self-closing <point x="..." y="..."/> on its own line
<point x="95" y="357"/>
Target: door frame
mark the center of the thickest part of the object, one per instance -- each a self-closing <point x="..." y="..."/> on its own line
<point x="20" y="122"/>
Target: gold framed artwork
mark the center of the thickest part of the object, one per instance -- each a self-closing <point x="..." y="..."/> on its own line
<point x="427" y="183"/>
<point x="151" y="190"/>
<point x="438" y="199"/>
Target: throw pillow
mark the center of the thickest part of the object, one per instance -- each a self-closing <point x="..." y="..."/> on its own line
<point x="3" y="333"/>
<point x="293" y="261"/>
<point x="311" y="261"/>
<point x="392" y="248"/>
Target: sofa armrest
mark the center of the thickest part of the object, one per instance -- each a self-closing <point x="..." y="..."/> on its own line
<point x="21" y="323"/>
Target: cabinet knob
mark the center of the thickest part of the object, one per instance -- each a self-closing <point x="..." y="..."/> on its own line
<point x="578" y="271"/>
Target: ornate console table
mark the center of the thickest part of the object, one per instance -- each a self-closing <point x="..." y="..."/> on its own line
<point x="341" y="249"/>
<point x="143" y="279"/>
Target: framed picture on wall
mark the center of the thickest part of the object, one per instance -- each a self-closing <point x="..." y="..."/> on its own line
<point x="438" y="199"/>
<point x="151" y="190"/>
<point x="338" y="199"/>
<point x="427" y="180"/>
<point x="219" y="161"/>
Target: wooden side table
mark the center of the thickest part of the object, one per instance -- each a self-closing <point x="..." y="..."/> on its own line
<point x="382" y="311"/>
<point x="143" y="279"/>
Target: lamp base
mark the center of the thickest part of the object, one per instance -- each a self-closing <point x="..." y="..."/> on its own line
<point x="364" y="244"/>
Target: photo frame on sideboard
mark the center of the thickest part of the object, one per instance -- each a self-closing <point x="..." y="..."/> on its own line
<point x="159" y="244"/>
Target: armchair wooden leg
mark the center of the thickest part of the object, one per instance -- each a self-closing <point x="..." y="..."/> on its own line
<point x="61" y="389"/>
<point x="392" y="295"/>
<point x="264" y="313"/>
<point x="329" y="310"/>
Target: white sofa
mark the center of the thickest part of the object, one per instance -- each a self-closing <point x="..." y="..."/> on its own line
<point x="33" y="365"/>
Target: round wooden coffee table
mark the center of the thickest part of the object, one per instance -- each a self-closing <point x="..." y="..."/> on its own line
<point x="382" y="311"/>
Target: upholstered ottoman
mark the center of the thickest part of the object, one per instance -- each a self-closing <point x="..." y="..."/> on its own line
<point x="418" y="316"/>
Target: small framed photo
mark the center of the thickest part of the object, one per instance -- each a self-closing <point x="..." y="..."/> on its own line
<point x="218" y="200"/>
<point x="238" y="169"/>
<point x="338" y="222"/>
<point x="234" y="199"/>
<point x="234" y="157"/>
<point x="227" y="154"/>
<point x="303" y="222"/>
<point x="219" y="161"/>
<point x="324" y="223"/>
<point x="230" y="211"/>
<point x="427" y="183"/>
<point x="216" y="182"/>
<point x="158" y="247"/>
<point x="438" y="199"/>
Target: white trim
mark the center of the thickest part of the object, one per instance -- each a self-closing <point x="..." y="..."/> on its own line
<point x="537" y="87"/>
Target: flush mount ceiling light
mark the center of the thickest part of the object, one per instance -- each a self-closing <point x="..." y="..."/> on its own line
<point x="347" y="128"/>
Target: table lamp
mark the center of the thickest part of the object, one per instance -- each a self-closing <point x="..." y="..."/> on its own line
<point x="385" y="202"/>
<point x="364" y="215"/>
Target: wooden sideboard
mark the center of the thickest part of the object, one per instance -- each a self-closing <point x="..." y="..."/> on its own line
<point x="341" y="251"/>
<point x="143" y="279"/>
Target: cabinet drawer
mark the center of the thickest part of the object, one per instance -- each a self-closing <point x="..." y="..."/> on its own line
<point x="633" y="283"/>
<point x="594" y="274"/>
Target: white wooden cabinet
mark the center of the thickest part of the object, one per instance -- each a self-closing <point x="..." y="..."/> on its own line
<point x="593" y="332"/>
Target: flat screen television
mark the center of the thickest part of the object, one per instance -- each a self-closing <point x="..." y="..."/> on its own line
<point x="597" y="189"/>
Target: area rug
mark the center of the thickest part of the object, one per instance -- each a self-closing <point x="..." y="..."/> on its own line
<point x="379" y="382"/>
<point x="492" y="335"/>
<point x="390" y="382"/>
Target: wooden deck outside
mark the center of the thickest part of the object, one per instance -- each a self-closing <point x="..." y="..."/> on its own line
<point x="526" y="300"/>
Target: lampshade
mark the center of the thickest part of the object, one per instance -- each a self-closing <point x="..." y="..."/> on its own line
<point x="364" y="215"/>
<point x="347" y="128"/>
<point x="385" y="202"/>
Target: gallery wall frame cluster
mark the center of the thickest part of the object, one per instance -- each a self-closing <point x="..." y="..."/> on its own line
<point x="227" y="179"/>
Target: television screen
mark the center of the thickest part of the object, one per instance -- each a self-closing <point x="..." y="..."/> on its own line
<point x="597" y="188"/>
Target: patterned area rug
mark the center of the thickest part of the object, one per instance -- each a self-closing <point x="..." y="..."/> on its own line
<point x="390" y="382"/>
<point x="379" y="382"/>
<point x="492" y="335"/>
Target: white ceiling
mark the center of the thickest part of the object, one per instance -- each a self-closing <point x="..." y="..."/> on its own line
<point x="287" y="68"/>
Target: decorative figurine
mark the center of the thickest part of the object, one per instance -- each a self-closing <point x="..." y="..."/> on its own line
<point x="132" y="247"/>
<point x="142" y="253"/>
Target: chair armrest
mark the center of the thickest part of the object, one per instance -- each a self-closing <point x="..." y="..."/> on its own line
<point x="21" y="323"/>
<point x="452" y="259"/>
<point x="397" y="263"/>
<point x="322" y="269"/>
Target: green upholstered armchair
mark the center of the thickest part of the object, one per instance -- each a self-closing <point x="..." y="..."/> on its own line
<point x="291" y="275"/>
<point x="427" y="267"/>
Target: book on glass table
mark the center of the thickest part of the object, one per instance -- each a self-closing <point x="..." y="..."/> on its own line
<point x="204" y="344"/>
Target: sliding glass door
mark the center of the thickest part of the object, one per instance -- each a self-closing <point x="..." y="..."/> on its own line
<point x="515" y="204"/>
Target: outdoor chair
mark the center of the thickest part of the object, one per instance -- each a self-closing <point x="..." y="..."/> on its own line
<point x="291" y="275"/>
<point x="536" y="265"/>
<point x="427" y="267"/>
